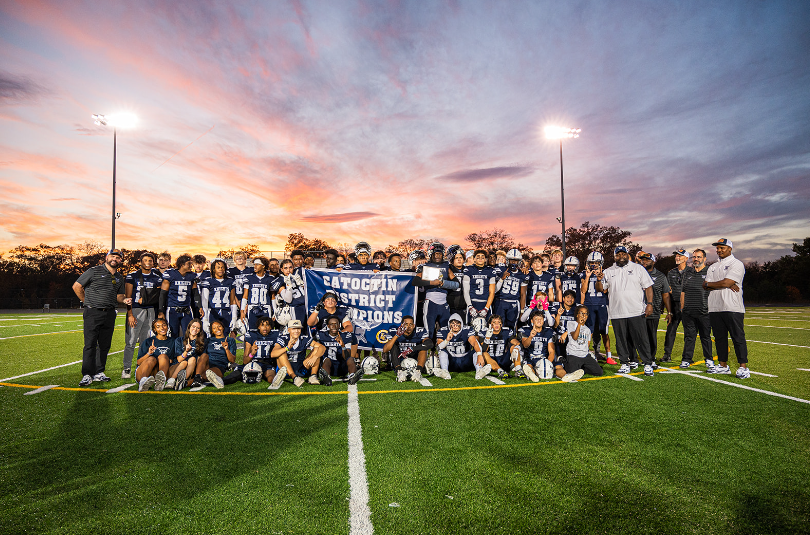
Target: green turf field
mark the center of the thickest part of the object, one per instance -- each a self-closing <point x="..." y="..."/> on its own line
<point x="668" y="454"/>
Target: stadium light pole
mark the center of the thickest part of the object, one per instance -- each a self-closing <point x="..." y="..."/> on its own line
<point x="561" y="132"/>
<point x="123" y="120"/>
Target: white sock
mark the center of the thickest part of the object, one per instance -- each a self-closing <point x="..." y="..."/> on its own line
<point x="444" y="360"/>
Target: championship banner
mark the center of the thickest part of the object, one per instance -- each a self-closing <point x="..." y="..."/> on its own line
<point x="376" y="301"/>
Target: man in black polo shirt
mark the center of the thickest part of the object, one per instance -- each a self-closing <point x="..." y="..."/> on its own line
<point x="661" y="293"/>
<point x="101" y="288"/>
<point x="695" y="311"/>
<point x="674" y="277"/>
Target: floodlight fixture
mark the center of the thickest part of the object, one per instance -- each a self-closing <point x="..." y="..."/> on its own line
<point x="562" y="132"/>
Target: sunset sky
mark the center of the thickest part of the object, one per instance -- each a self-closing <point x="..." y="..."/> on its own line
<point x="381" y="121"/>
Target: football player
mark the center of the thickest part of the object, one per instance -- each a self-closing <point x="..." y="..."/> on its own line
<point x="297" y="257"/>
<point x="405" y="341"/>
<point x="199" y="268"/>
<point x="309" y="261"/>
<point x="187" y="350"/>
<point x="498" y="345"/>
<point x="568" y="279"/>
<point x="327" y="307"/>
<point x="220" y="354"/>
<point x="394" y="261"/>
<point x="256" y="294"/>
<point x="509" y="286"/>
<point x="435" y="308"/>
<point x="556" y="262"/>
<point x="178" y="294"/>
<point x="164" y="262"/>
<point x="379" y="259"/>
<point x="459" y="351"/>
<point x="139" y="316"/>
<point x="537" y="342"/>
<point x="291" y="352"/>
<point x="341" y="262"/>
<point x="562" y="314"/>
<point x="331" y="256"/>
<point x="258" y="348"/>
<point x="291" y="287"/>
<point x="154" y="357"/>
<point x="538" y="280"/>
<point x="363" y="252"/>
<point x="240" y="271"/>
<point x="577" y="361"/>
<point x="339" y="354"/>
<point x="219" y="297"/>
<point x="597" y="304"/>
<point x="455" y="298"/>
<point x="273" y="267"/>
<point x="479" y="285"/>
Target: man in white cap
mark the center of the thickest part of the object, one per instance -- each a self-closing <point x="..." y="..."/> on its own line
<point x="629" y="287"/>
<point x="675" y="280"/>
<point x="724" y="280"/>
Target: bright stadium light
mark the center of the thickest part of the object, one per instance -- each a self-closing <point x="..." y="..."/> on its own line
<point x="119" y="120"/>
<point x="562" y="132"/>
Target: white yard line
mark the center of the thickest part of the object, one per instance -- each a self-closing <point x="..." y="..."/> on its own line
<point x="803" y="369"/>
<point x="776" y="327"/>
<point x="424" y="382"/>
<point x="628" y="376"/>
<point x="40" y="389"/>
<point x="768" y="392"/>
<point x="760" y="373"/>
<point x="753" y="341"/>
<point x="359" y="511"/>
<point x="52" y="368"/>
<point x="495" y="380"/>
<point x="121" y="388"/>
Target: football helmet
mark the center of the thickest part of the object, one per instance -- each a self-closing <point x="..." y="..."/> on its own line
<point x="431" y="363"/>
<point x="416" y="255"/>
<point x="251" y="373"/>
<point x="453" y="250"/>
<point x="409" y="365"/>
<point x="435" y="247"/>
<point x="573" y="262"/>
<point x="514" y="254"/>
<point x="479" y="324"/>
<point x="370" y="366"/>
<point x="242" y="328"/>
<point x="544" y="368"/>
<point x="595" y="259"/>
<point x="284" y="315"/>
<point x="362" y="247"/>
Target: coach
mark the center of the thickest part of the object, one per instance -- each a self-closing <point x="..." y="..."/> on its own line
<point x="628" y="286"/>
<point x="101" y="288"/>
<point x="724" y="280"/>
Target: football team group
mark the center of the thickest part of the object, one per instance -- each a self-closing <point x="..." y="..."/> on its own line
<point x="482" y="312"/>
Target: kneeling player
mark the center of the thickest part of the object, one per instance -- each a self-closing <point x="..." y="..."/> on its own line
<point x="498" y="344"/>
<point x="459" y="351"/>
<point x="291" y="352"/>
<point x="186" y="350"/>
<point x="259" y="347"/>
<point x="408" y="341"/>
<point x="220" y="352"/>
<point x="339" y="355"/>
<point x="537" y="341"/>
<point x="154" y="357"/>
<point x="577" y="361"/>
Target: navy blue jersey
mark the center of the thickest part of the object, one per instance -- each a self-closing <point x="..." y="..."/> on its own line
<point x="498" y="343"/>
<point x="298" y="297"/>
<point x="179" y="287"/>
<point x="536" y="283"/>
<point x="258" y="289"/>
<point x="480" y="279"/>
<point x="592" y="297"/>
<point x="204" y="274"/>
<point x="569" y="282"/>
<point x="437" y="294"/>
<point x="540" y="341"/>
<point x="150" y="280"/>
<point x="460" y="345"/>
<point x="299" y="351"/>
<point x="180" y="347"/>
<point x="409" y="342"/>
<point x="263" y="344"/>
<point x="510" y="288"/>
<point x="219" y="292"/>
<point x="568" y="314"/>
<point x="162" y="347"/>
<point x="239" y="276"/>
<point x="335" y="345"/>
<point x="340" y="312"/>
<point x="216" y="351"/>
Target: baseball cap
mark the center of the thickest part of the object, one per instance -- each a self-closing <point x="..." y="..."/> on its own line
<point x="116" y="252"/>
<point x="469" y="254"/>
<point x="682" y="252"/>
<point x="723" y="241"/>
<point x="294" y="324"/>
<point x="620" y="249"/>
<point x="643" y="254"/>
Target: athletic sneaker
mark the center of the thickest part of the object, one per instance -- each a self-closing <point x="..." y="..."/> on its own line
<point x="324" y="377"/>
<point x="483" y="371"/>
<point x="441" y="373"/>
<point x="710" y="365"/>
<point x="722" y="370"/>
<point x="146" y="383"/>
<point x="180" y="384"/>
<point x="611" y="361"/>
<point x="170" y="383"/>
<point x="416" y="375"/>
<point x="298" y="381"/>
<point x="573" y="376"/>
<point x="529" y="372"/>
<point x="685" y="364"/>
<point x="356" y="376"/>
<point x="402" y="376"/>
<point x="625" y="368"/>
<point x="160" y="380"/>
<point x="215" y="379"/>
<point x="197" y="382"/>
<point x="666" y="358"/>
<point x="86" y="381"/>
<point x="126" y="374"/>
<point x="502" y="374"/>
<point x="278" y="379"/>
<point x="648" y="370"/>
<point x="654" y="365"/>
<point x="633" y="364"/>
<point x="743" y="373"/>
<point x="100" y="377"/>
<point x="518" y="371"/>
<point x="314" y="380"/>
